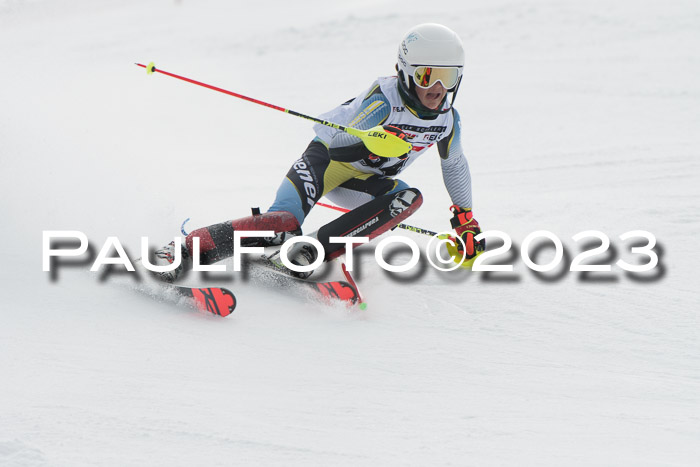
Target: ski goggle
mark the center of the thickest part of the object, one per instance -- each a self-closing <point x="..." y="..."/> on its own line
<point x="426" y="76"/>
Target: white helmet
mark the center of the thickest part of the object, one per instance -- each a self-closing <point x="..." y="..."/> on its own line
<point x="429" y="53"/>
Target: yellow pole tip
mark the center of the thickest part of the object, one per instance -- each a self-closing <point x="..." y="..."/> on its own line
<point x="151" y="68"/>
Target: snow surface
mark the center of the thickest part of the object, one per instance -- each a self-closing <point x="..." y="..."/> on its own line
<point x="576" y="116"/>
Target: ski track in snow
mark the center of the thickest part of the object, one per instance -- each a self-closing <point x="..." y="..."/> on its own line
<point x="576" y="116"/>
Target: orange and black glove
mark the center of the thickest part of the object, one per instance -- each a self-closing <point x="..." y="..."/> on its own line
<point x="467" y="228"/>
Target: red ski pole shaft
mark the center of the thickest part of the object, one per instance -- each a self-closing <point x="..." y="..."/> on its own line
<point x="152" y="69"/>
<point x="377" y="139"/>
<point x="214" y="88"/>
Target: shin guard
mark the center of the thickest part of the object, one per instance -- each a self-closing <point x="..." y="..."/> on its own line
<point x="216" y="241"/>
<point x="369" y="220"/>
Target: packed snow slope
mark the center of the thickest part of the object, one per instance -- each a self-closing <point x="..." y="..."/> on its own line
<point x="576" y="116"/>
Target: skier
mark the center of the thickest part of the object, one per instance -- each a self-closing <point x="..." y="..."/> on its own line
<point x="416" y="105"/>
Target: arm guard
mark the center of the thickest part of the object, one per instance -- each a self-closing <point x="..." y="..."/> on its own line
<point x="374" y="111"/>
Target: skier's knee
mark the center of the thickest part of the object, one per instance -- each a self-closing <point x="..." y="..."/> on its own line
<point x="400" y="185"/>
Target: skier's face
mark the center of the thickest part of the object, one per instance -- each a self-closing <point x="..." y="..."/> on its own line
<point x="432" y="96"/>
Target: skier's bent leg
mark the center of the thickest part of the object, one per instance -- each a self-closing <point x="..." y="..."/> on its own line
<point x="369" y="220"/>
<point x="216" y="241"/>
<point x="305" y="182"/>
<point x="373" y="218"/>
<point x="288" y="199"/>
<point x="377" y="205"/>
<point x="356" y="192"/>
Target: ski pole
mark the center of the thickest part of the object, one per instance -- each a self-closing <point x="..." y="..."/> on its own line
<point x="401" y="226"/>
<point x="451" y="247"/>
<point x="377" y="140"/>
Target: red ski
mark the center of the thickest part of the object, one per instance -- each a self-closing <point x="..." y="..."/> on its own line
<point x="215" y="300"/>
<point x="335" y="290"/>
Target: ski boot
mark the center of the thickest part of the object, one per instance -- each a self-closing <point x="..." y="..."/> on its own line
<point x="301" y="254"/>
<point x="166" y="256"/>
